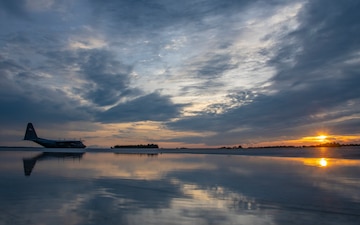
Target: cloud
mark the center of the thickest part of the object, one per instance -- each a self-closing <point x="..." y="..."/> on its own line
<point x="214" y="66"/>
<point x="157" y="15"/>
<point x="324" y="38"/>
<point x="287" y="113"/>
<point x="14" y="8"/>
<point x="206" y="73"/>
<point x="296" y="61"/>
<point x="152" y="107"/>
<point x="94" y="75"/>
<point x="311" y="89"/>
<point x="107" y="79"/>
<point x="24" y="98"/>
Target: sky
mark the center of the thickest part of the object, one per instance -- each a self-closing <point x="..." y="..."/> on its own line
<point x="192" y="73"/>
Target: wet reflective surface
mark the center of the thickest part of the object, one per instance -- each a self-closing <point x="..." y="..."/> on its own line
<point x="108" y="188"/>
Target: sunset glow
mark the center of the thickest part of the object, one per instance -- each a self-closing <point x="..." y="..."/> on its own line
<point x="322" y="138"/>
<point x="319" y="138"/>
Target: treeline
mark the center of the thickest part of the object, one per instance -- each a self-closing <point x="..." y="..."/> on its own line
<point x="328" y="144"/>
<point x="234" y="147"/>
<point x="137" y="146"/>
<point x="278" y="146"/>
<point x="332" y="144"/>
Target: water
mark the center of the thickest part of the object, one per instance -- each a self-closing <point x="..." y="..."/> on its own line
<point x="108" y="188"/>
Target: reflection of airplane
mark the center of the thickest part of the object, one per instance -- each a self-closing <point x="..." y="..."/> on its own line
<point x="29" y="163"/>
<point x="31" y="136"/>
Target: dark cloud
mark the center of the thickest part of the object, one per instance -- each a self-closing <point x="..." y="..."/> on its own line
<point x="23" y="100"/>
<point x="207" y="72"/>
<point x="19" y="109"/>
<point x="108" y="79"/>
<point x="160" y="14"/>
<point x="13" y="8"/>
<point x="153" y="107"/>
<point x="326" y="37"/>
<point x="213" y="67"/>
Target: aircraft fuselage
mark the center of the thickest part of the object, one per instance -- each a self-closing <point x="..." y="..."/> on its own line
<point x="59" y="144"/>
<point x="31" y="135"/>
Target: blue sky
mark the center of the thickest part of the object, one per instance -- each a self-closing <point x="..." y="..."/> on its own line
<point x="180" y="73"/>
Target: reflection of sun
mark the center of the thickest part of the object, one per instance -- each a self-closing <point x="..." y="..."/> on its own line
<point x="318" y="162"/>
<point x="323" y="162"/>
<point x="321" y="138"/>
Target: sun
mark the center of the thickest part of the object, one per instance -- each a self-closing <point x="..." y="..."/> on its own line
<point x="321" y="138"/>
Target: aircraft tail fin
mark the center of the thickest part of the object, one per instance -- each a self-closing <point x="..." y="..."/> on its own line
<point x="30" y="133"/>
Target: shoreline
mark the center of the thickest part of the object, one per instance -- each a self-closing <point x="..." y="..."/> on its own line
<point x="351" y="152"/>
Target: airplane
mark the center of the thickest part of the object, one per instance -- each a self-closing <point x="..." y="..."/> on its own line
<point x="30" y="135"/>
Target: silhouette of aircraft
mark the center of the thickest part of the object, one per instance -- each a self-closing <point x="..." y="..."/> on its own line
<point x="31" y="135"/>
<point x="29" y="163"/>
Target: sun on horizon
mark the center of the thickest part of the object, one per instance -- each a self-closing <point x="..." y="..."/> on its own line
<point x="321" y="138"/>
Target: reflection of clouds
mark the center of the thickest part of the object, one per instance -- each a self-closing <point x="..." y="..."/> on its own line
<point x="150" y="168"/>
<point x="69" y="209"/>
<point x="219" y="197"/>
<point x="105" y="188"/>
<point x="205" y="206"/>
<point x="335" y="181"/>
<point x="45" y="200"/>
<point x="342" y="185"/>
<point x="201" y="216"/>
<point x="283" y="187"/>
<point x="346" y="187"/>
<point x="240" y="171"/>
<point x="214" y="205"/>
<point x="115" y="200"/>
<point x="122" y="183"/>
